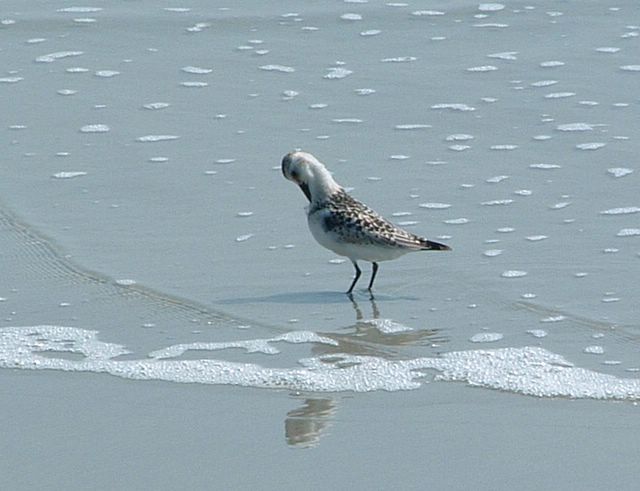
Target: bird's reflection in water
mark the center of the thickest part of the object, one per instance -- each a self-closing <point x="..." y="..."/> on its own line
<point x="374" y="336"/>
<point x="374" y="307"/>
<point x="377" y="336"/>
<point x="305" y="425"/>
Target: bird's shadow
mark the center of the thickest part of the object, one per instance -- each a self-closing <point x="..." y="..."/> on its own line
<point x="314" y="297"/>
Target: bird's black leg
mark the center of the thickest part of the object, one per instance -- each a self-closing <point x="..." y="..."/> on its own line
<point x="355" y="280"/>
<point x="373" y="275"/>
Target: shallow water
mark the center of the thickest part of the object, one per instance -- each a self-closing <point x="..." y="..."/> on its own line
<point x="147" y="234"/>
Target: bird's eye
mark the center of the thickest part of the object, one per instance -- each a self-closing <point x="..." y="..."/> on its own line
<point x="295" y="174"/>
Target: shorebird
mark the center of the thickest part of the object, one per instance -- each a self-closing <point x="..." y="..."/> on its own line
<point x="346" y="226"/>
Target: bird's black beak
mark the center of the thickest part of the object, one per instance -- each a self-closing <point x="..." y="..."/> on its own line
<point x="305" y="189"/>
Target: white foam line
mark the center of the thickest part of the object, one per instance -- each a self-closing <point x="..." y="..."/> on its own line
<point x="531" y="371"/>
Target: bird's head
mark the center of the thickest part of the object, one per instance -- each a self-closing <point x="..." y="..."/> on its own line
<point x="310" y="174"/>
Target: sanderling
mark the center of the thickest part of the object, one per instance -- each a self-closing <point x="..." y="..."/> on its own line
<point x="343" y="224"/>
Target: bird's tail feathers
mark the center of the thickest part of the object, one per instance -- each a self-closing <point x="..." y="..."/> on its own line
<point x="429" y="245"/>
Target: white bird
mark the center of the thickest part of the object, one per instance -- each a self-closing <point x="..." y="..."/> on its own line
<point x="343" y="224"/>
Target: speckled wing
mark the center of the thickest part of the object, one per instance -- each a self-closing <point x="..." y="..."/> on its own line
<point x="353" y="222"/>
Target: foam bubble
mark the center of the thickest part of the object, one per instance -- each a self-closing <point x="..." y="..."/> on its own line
<point x="574" y="127"/>
<point x="544" y="83"/>
<point x="545" y="166"/>
<point x="94" y="128"/>
<point x="58" y="55"/>
<point x="277" y="68"/>
<point x="399" y="59"/>
<point x="490" y="7"/>
<point x="156" y="105"/>
<point x="125" y="282"/>
<point x="427" y="13"/>
<point x="483" y="68"/>
<point x="457" y="221"/>
<point x="77" y="69"/>
<point x="621" y="211"/>
<point x="80" y="10"/>
<point x="559" y="95"/>
<point x="199" y="27"/>
<point x="196" y="85"/>
<point x="337" y="260"/>
<point x="497" y="202"/>
<point x="492" y="252"/>
<point x="628" y="232"/>
<point x="536" y="238"/>
<point x="590" y="146"/>
<point x="619" y="171"/>
<point x="503" y="147"/>
<point x="459" y="137"/>
<point x="513" y="274"/>
<point x="156" y="138"/>
<point x="337" y="73"/>
<point x="486" y="337"/>
<point x="454" y="107"/>
<point x="347" y="120"/>
<point x="351" y="17"/>
<point x="537" y="333"/>
<point x="610" y="300"/>
<point x="496" y="179"/>
<point x="107" y="73"/>
<point x="459" y="148"/>
<point x="490" y="25"/>
<point x="68" y="174"/>
<point x="594" y="350"/>
<point x="412" y="126"/>
<point x="196" y="70"/>
<point x="505" y="55"/>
